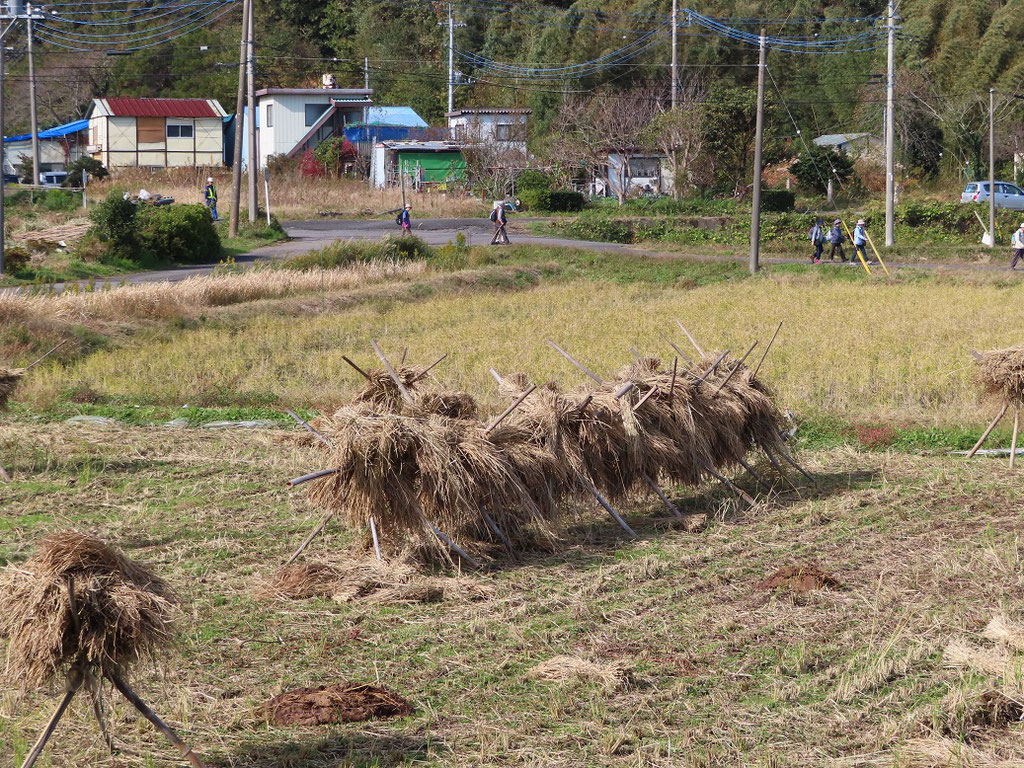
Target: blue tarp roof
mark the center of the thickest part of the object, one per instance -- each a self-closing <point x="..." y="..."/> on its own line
<point x="405" y="117"/>
<point x="53" y="133"/>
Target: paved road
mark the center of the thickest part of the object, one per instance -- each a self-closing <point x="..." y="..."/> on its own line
<point x="309" y="235"/>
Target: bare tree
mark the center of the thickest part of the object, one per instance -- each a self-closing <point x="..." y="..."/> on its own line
<point x="679" y="135"/>
<point x="603" y="133"/>
<point x="493" y="165"/>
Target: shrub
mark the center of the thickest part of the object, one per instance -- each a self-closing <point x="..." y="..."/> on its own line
<point x="566" y="201"/>
<point x="399" y="248"/>
<point x="60" y="200"/>
<point x="114" y="223"/>
<point x="15" y="260"/>
<point x="181" y="233"/>
<point x="778" y="200"/>
<point x="282" y="165"/>
<point x="532" y="179"/>
<point x="814" y="168"/>
<point x="90" y="165"/>
<point x="310" y="166"/>
<point x="333" y="153"/>
<point x="535" y="199"/>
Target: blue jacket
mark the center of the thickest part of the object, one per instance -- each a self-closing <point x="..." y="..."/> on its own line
<point x="860" y="237"/>
<point x="406" y="218"/>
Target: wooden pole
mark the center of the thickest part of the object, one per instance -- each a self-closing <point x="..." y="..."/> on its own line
<point x="988" y="431"/>
<point x="361" y="372"/>
<point x="74" y="683"/>
<point x="753" y="474"/>
<point x="391" y="372"/>
<point x="645" y="398"/>
<point x="692" y="340"/>
<point x="713" y="368"/>
<point x="37" y="361"/>
<point x="1013" y="443"/>
<point x="236" y="169"/>
<point x="575" y="362"/>
<point x="768" y="348"/>
<point x="312" y="535"/>
<point x="624" y="389"/>
<point x="790" y="460"/>
<point x="149" y="714"/>
<point x="735" y="368"/>
<point x="664" y="499"/>
<point x="519" y="401"/>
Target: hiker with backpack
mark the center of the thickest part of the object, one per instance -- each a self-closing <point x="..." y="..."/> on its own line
<point x="499" y="218"/>
<point x="817" y="235"/>
<point x="404" y="219"/>
<point x="860" y="240"/>
<point x="836" y="238"/>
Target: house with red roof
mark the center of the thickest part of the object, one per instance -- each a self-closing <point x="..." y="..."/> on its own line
<point x="156" y="133"/>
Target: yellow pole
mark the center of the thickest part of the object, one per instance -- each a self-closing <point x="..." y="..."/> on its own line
<point x="877" y="254"/>
<point x="849" y="234"/>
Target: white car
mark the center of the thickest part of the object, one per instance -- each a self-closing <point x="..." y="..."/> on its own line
<point x="1007" y="195"/>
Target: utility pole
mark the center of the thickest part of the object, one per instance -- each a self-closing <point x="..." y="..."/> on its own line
<point x="755" y="215"/>
<point x="366" y="72"/>
<point x="250" y="77"/>
<point x="675" y="53"/>
<point x="32" y="98"/>
<point x="3" y="157"/>
<point x="992" y="167"/>
<point x="890" y="133"/>
<point x="236" y="168"/>
<point x="451" y="60"/>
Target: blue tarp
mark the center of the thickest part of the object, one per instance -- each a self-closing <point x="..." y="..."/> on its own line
<point x="386" y="124"/>
<point x="52" y="133"/>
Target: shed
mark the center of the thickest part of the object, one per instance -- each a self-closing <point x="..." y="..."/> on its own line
<point x="156" y="133"/>
<point x="423" y="162"/>
<point x="851" y="143"/>
<point x="58" y="146"/>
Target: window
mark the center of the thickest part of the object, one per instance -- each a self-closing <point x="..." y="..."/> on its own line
<point x="509" y="132"/>
<point x="314" y="112"/>
<point x="180" y="131"/>
<point x="644" y="167"/>
<point x="270" y="115"/>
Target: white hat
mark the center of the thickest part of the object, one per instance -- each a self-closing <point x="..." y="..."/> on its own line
<point x="209" y="180"/>
<point x="860" y="222"/>
<point x="497" y="203"/>
<point x="1022" y="225"/>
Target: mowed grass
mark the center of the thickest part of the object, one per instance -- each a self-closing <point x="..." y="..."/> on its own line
<point x="894" y="350"/>
<point x="720" y="673"/>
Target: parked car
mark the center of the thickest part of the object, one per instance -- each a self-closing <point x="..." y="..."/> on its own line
<point x="52" y="178"/>
<point x="1007" y="195"/>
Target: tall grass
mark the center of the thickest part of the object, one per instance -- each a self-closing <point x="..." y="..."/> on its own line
<point x="290" y="196"/>
<point x="860" y="349"/>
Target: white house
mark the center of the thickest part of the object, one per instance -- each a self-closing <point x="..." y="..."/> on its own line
<point x="156" y="133"/>
<point x="637" y="174"/>
<point x="58" y="146"/>
<point x="292" y="120"/>
<point x="504" y="126"/>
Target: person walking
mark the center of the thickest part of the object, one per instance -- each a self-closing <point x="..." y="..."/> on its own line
<point x="817" y="235"/>
<point x="210" y="197"/>
<point x="405" y="219"/>
<point x="499" y="218"/>
<point x="860" y="240"/>
<point x="835" y="239"/>
<point x="1017" y="243"/>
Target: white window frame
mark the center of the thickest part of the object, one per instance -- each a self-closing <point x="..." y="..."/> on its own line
<point x="179" y="125"/>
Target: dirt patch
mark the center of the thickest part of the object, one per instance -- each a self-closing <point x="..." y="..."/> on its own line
<point x="800" y="578"/>
<point x="342" y="703"/>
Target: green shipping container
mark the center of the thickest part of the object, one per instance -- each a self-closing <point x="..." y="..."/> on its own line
<point x="435" y="166"/>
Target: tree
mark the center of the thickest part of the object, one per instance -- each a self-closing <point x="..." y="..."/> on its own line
<point x="679" y="135"/>
<point x="815" y="167"/>
<point x="591" y="131"/>
<point x="492" y="166"/>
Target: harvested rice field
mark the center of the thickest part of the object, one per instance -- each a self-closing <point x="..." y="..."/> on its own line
<point x="867" y="613"/>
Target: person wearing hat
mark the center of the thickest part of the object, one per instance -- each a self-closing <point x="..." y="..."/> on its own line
<point x="836" y="238"/>
<point x="405" y="219"/>
<point x="817" y="235"/>
<point x="499" y="219"/>
<point x="210" y="197"/>
<point x="860" y="239"/>
<point x="1017" y="243"/>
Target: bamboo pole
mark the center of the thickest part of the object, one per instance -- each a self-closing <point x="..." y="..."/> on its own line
<point x="768" y="349"/>
<point x="309" y="427"/>
<point x="645" y="398"/>
<point x="735" y="368"/>
<point x="988" y="431"/>
<point x="753" y="474"/>
<point x="312" y="535"/>
<point x="575" y="362"/>
<point x="779" y="468"/>
<point x="497" y="377"/>
<point x="455" y="547"/>
<point x="376" y="541"/>
<point x="362" y="373"/>
<point x="429" y="368"/>
<point x="624" y="389"/>
<point x="790" y="460"/>
<point x="692" y="340"/>
<point x="311" y="476"/>
<point x="679" y="352"/>
<point x="391" y="372"/>
<point x="149" y="714"/>
<point x="713" y="368"/>
<point x="519" y="401"/>
<point x="34" y="363"/>
<point x="672" y="386"/>
<point x="664" y="499"/>
<point x="494" y="527"/>
<point x="74" y="683"/>
<point x="729" y="484"/>
<point x="607" y="507"/>
<point x="1013" y="443"/>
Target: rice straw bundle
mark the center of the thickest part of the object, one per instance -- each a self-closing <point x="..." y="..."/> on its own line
<point x="380" y="390"/>
<point x="1001" y="373"/>
<point x="81" y="601"/>
<point x="9" y="380"/>
<point x="454" y="405"/>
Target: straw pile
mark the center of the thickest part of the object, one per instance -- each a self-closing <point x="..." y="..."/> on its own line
<point x="9" y="380"/>
<point x="121" y="610"/>
<point x="1001" y="373"/>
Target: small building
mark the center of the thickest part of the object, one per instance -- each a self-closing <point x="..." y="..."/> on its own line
<point x="479" y="124"/>
<point x="293" y="120"/>
<point x="58" y="146"/>
<point x="424" y="163"/>
<point x="388" y="124"/>
<point x="641" y="173"/>
<point x="156" y="133"/>
<point x="851" y="143"/>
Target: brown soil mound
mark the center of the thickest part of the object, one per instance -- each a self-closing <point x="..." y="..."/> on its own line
<point x="342" y="703"/>
<point x="799" y="578"/>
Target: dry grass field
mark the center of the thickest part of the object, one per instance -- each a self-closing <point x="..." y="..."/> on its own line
<point x="871" y="621"/>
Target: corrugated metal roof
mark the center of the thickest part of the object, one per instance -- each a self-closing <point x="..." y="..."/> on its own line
<point x="422" y="146"/>
<point x="490" y="111"/>
<point x="405" y="117"/>
<point x="122" y="106"/>
<point x="832" y="139"/>
<point x="53" y="133"/>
